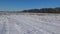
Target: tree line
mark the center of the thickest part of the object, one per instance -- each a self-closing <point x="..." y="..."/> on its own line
<point x="43" y="10"/>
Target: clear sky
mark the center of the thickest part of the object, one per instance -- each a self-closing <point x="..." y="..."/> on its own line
<point x="27" y="4"/>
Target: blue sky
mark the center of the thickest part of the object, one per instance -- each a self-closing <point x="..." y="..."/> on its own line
<point x="27" y="4"/>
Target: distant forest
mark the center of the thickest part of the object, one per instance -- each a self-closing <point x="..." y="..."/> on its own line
<point x="43" y="10"/>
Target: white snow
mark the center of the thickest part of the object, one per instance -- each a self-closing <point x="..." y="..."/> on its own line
<point x="29" y="24"/>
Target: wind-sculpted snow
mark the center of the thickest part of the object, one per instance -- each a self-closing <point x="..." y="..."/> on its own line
<point x="29" y="24"/>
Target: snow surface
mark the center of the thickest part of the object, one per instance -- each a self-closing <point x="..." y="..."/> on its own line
<point x="29" y="24"/>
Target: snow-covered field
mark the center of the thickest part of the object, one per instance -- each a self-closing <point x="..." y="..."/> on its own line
<point x="29" y="24"/>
